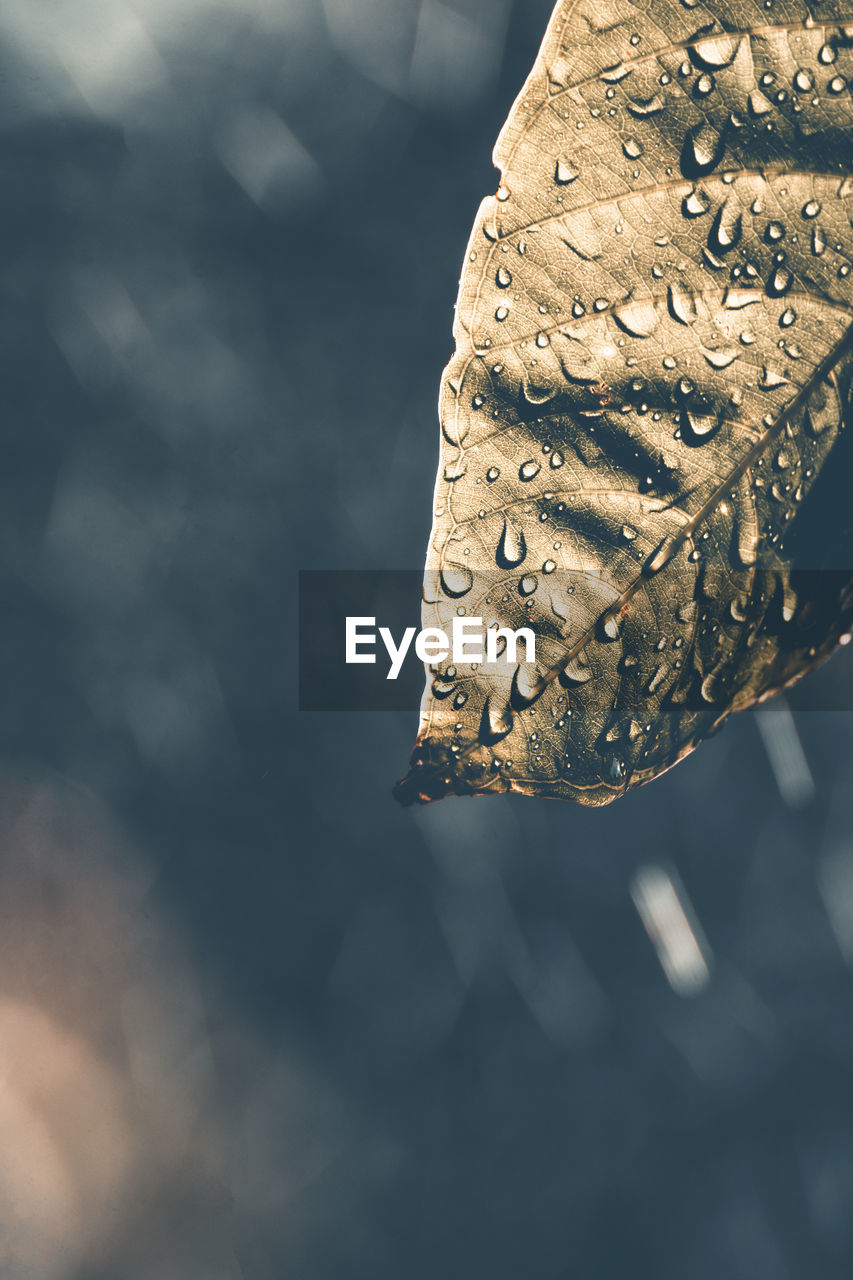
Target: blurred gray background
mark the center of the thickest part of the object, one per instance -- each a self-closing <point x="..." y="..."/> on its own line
<point x="256" y="1022"/>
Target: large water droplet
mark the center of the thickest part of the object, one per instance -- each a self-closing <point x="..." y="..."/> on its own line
<point x="697" y="429"/>
<point x="710" y="687"/>
<point x="528" y="470"/>
<point x="503" y="278"/>
<point x="758" y="104"/>
<point x="696" y="204"/>
<point x="721" y="358"/>
<point x="644" y="107"/>
<point x="528" y="584"/>
<point x="702" y="151"/>
<point x="661" y="555"/>
<point x="632" y="149"/>
<point x="714" y="51"/>
<point x="575" y="672"/>
<point x="497" y="719"/>
<point x="638" y="318"/>
<point x="770" y="379"/>
<point x="681" y="304"/>
<point x="511" y="548"/>
<point x="658" y="678"/>
<point x="564" y="173"/>
<point x="614" y="74"/>
<point x="611" y="626"/>
<point x="726" y="229"/>
<point x="780" y="282"/>
<point x="537" y="393"/>
<point x="456" y="580"/>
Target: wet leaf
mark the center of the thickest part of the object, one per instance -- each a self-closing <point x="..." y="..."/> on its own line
<point x="652" y="365"/>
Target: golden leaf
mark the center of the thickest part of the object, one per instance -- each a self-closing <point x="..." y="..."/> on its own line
<point x="653" y="342"/>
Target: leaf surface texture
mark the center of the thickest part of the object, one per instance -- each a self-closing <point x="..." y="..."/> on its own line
<point x="652" y="365"/>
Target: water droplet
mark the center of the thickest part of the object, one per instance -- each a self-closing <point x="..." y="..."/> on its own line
<point x="502" y="193"/>
<point x="549" y="566"/>
<point x="737" y="299"/>
<point x="726" y="229"/>
<point x="644" y="107"/>
<point x="774" y="232"/>
<point x="703" y="150"/>
<point x="704" y="85"/>
<point x="528" y="470"/>
<point x="681" y="304"/>
<point x="661" y="555"/>
<point x="492" y="474"/>
<point x="658" y="678"/>
<point x="615" y="74"/>
<point x="537" y="393"/>
<point x="576" y="671"/>
<point x="511" y="548"/>
<point x="780" y="282"/>
<point x="803" y="81"/>
<point x="722" y="358"/>
<point x="811" y="209"/>
<point x="497" y="719"/>
<point x="714" y="52"/>
<point x="502" y="313"/>
<point x="770" y="380"/>
<point x="542" y="340"/>
<point x="747" y="543"/>
<point x="454" y="470"/>
<point x="564" y="173"/>
<point x="837" y="84"/>
<point x="557" y="459"/>
<point x="503" y="278"/>
<point x="638" y="318"/>
<point x="787" y="318"/>
<point x="818" y="242"/>
<point x="697" y="429"/>
<point x="611" y="626"/>
<point x="616" y="768"/>
<point x="632" y="149"/>
<point x="528" y="584"/>
<point x="695" y="204"/>
<point x="758" y="104"/>
<point x="710" y="687"/>
<point x="827" y="54"/>
<point x="456" y="581"/>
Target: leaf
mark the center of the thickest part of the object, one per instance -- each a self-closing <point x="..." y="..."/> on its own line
<point x="652" y="365"/>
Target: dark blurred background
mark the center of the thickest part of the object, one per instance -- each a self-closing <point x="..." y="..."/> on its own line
<point x="257" y="1022"/>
